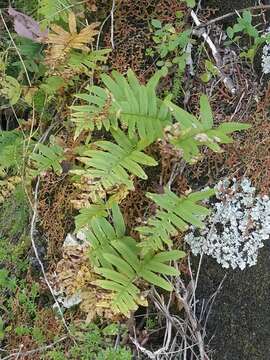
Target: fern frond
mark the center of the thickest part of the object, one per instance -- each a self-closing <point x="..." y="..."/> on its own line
<point x="175" y="214"/>
<point x="127" y="269"/>
<point x="117" y="259"/>
<point x="198" y="132"/>
<point x="11" y="150"/>
<point x="100" y="233"/>
<point x="136" y="106"/>
<point x="48" y="158"/>
<point x="95" y="113"/>
<point x="115" y="163"/>
<point x="88" y="62"/>
<point x="87" y="214"/>
<point x="53" y="10"/>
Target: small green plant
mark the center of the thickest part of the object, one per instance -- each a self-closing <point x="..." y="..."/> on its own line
<point x="210" y="71"/>
<point x="93" y="343"/>
<point x="47" y="158"/>
<point x="170" y="45"/>
<point x="244" y="26"/>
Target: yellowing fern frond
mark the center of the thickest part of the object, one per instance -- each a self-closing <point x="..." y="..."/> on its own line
<point x="62" y="41"/>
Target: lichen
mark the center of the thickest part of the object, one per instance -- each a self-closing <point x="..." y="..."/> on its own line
<point x="237" y="228"/>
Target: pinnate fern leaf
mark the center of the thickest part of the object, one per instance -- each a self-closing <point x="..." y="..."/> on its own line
<point x="197" y="132"/>
<point x="53" y="10"/>
<point x="11" y="150"/>
<point x="127" y="270"/>
<point x="174" y="214"/>
<point x="136" y="106"/>
<point x="47" y="158"/>
<point x="117" y="259"/>
<point x="93" y="114"/>
<point x="115" y="162"/>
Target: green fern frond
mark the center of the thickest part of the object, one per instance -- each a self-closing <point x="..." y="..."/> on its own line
<point x="127" y="269"/>
<point x="115" y="163"/>
<point x="87" y="214"/>
<point x="175" y="214"/>
<point x="198" y="132"/>
<point x="136" y="106"/>
<point x="88" y="62"/>
<point x="53" y="10"/>
<point x="48" y="158"/>
<point x="101" y="234"/>
<point x="11" y="150"/>
<point x="117" y="259"/>
<point x="95" y="113"/>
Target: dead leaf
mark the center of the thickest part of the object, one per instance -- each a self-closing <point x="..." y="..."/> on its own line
<point x="26" y="26"/>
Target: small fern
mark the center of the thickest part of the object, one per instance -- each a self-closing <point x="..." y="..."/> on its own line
<point x="197" y="132"/>
<point x="114" y="163"/>
<point x="175" y="214"/>
<point x="95" y="113"/>
<point x="48" y="158"/>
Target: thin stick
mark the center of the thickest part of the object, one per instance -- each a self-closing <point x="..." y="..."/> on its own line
<point x="111" y="15"/>
<point x="210" y="22"/>
<point x="112" y="20"/>
<point x="17" y="50"/>
<point x="226" y="79"/>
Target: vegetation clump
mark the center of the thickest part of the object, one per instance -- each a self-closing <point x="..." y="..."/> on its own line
<point x="80" y="138"/>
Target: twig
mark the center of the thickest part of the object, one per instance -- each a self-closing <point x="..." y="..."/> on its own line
<point x="17" y="50"/>
<point x="222" y="17"/>
<point x="226" y="79"/>
<point x="20" y="352"/>
<point x="32" y="235"/>
<point x="111" y="15"/>
<point x="30" y="352"/>
<point x="112" y="20"/>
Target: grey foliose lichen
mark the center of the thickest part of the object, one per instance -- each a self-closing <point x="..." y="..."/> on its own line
<point x="237" y="228"/>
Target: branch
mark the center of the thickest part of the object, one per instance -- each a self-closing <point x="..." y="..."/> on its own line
<point x="226" y="79"/>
